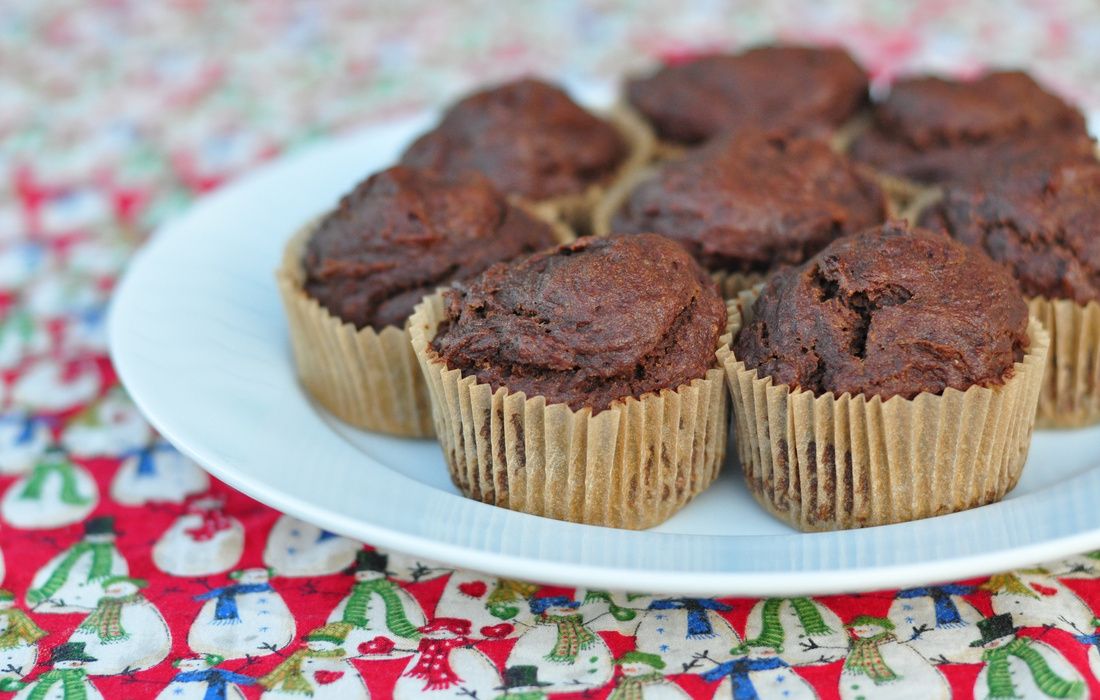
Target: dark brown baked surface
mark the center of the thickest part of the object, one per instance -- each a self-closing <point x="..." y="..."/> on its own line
<point x="934" y="130"/>
<point x="403" y="232"/>
<point x="527" y="136"/>
<point x="891" y="311"/>
<point x="587" y="323"/>
<point x="752" y="202"/>
<point x="791" y="89"/>
<point x="1044" y="227"/>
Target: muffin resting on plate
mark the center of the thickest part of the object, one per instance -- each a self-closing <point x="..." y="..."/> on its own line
<point x="580" y="383"/>
<point x="533" y="141"/>
<point x="350" y="282"/>
<point x="893" y="376"/>
<point x="1045" y="228"/>
<point x="792" y="89"/>
<point x="747" y="204"/>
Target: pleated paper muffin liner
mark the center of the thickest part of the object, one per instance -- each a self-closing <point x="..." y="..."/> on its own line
<point x="632" y="465"/>
<point x="1070" y="396"/>
<point x="831" y="463"/>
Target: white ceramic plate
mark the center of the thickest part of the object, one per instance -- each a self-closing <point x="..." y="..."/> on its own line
<point x="198" y="337"/>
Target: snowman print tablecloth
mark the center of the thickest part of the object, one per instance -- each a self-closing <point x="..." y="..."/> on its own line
<point x="127" y="572"/>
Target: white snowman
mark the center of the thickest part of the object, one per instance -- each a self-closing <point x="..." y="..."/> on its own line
<point x="109" y="427"/>
<point x="297" y="548"/>
<point x="157" y="473"/>
<point x="879" y="666"/>
<point x="55" y="492"/>
<point x="446" y="664"/>
<point x="800" y="630"/>
<point x="759" y="673"/>
<point x="1030" y="594"/>
<point x="125" y="632"/>
<point x="199" y="678"/>
<point x="19" y="263"/>
<point x="67" y="680"/>
<point x="200" y="542"/>
<point x="642" y="678"/>
<point x="1021" y="667"/>
<point x="681" y="630"/>
<point x="23" y="439"/>
<point x="937" y="621"/>
<point x="484" y="600"/>
<point x="73" y="580"/>
<point x="575" y="657"/>
<point x="378" y="607"/>
<point x="245" y="618"/>
<point x="19" y="637"/>
<point x="1078" y="566"/>
<point x="52" y="387"/>
<point x="21" y="337"/>
<point x="612" y="611"/>
<point x="320" y="671"/>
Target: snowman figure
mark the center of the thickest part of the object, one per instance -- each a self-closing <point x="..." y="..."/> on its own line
<point x="879" y="666"/>
<point x="202" y="541"/>
<point x="56" y="492"/>
<point x="73" y="580"/>
<point x="296" y="548"/>
<point x="937" y="620"/>
<point x="681" y="629"/>
<point x="320" y="671"/>
<point x="577" y="658"/>
<point x="51" y="387"/>
<point x="796" y="628"/>
<point x="67" y="680"/>
<point x="758" y="672"/>
<point x="446" y="663"/>
<point x="157" y="473"/>
<point x="200" y="679"/>
<point x="641" y="679"/>
<point x="125" y="632"/>
<point x="18" y="639"/>
<point x="245" y="618"/>
<point x="1030" y="594"/>
<point x="484" y="600"/>
<point x="109" y="427"/>
<point x="611" y="611"/>
<point x="1078" y="566"/>
<point x="522" y="683"/>
<point x="1021" y="667"/>
<point x="378" y="607"/>
<point x="23" y="439"/>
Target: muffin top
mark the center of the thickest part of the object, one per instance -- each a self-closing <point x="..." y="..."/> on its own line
<point x="527" y="136"/>
<point x="934" y="130"/>
<point x="784" y="88"/>
<point x="403" y="232"/>
<point x="1045" y="227"/>
<point x="586" y="323"/>
<point x="890" y="311"/>
<point x="752" y="202"/>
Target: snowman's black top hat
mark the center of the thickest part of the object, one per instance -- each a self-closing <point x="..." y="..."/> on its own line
<point x="70" y="651"/>
<point x="370" y="560"/>
<point x="525" y="676"/>
<point x="993" y="628"/>
<point x="102" y="525"/>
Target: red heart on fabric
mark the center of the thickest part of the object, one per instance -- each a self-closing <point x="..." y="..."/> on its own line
<point x="1043" y="590"/>
<point x="474" y="589"/>
<point x="326" y="677"/>
<point x="378" y="645"/>
<point x="497" y="631"/>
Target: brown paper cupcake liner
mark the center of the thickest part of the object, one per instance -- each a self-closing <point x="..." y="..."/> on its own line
<point x="632" y="465"/>
<point x="1070" y="396"/>
<point x="830" y="463"/>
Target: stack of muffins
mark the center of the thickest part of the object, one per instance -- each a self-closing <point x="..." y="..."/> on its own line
<point x="571" y="301"/>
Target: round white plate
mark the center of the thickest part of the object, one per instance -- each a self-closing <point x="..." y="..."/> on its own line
<point x="199" y="340"/>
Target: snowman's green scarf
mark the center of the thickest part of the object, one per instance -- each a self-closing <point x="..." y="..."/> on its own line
<point x="65" y="471"/>
<point x="573" y="637"/>
<point x="999" y="673"/>
<point x="106" y="619"/>
<point x="101" y="568"/>
<point x="21" y="629"/>
<point x="355" y="612"/>
<point x="71" y="679"/>
<point x="771" y="631"/>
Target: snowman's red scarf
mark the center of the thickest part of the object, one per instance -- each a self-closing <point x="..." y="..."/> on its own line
<point x="106" y="619"/>
<point x="434" y="664"/>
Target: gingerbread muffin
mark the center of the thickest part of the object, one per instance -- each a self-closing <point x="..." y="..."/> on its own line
<point x="605" y="343"/>
<point x="903" y="373"/>
<point x="790" y="89"/>
<point x="350" y="282"/>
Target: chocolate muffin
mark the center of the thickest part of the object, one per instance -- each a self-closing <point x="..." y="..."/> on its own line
<point x="931" y="130"/>
<point x="753" y="202"/>
<point x="791" y="89"/>
<point x="404" y="232"/>
<point x="587" y="323"/>
<point x="528" y="137"/>
<point x="891" y="311"/>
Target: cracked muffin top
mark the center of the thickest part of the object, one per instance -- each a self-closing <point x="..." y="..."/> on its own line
<point x="403" y="232"/>
<point x="891" y="311"/>
<point x="791" y="89"/>
<point x="753" y="202"/>
<point x="934" y="130"/>
<point x="529" y="137"/>
<point x="586" y="323"/>
<point x="1044" y="227"/>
